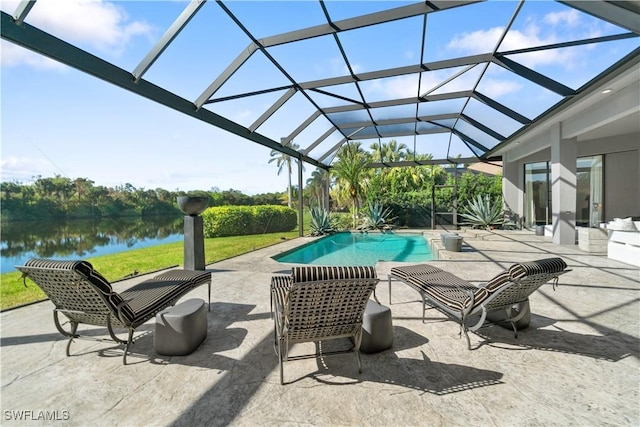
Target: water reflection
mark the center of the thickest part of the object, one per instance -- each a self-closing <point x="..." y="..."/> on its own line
<point x="81" y="238"/>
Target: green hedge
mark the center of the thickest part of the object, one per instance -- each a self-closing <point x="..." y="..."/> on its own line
<point x="221" y="221"/>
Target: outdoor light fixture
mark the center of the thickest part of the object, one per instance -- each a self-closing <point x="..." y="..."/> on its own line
<point x="606" y="91"/>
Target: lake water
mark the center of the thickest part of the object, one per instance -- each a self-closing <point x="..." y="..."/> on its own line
<point x="82" y="238"/>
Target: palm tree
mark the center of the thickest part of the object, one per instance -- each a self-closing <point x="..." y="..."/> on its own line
<point x="351" y="172"/>
<point x="318" y="184"/>
<point x="389" y="152"/>
<point x="284" y="160"/>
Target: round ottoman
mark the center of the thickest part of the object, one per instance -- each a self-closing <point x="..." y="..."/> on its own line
<point x="377" y="328"/>
<point x="180" y="329"/>
<point x="453" y="243"/>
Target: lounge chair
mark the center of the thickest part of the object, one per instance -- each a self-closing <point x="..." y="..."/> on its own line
<point x="84" y="296"/>
<point x="317" y="304"/>
<point x="498" y="298"/>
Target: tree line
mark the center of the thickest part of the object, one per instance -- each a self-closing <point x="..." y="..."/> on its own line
<point x="62" y="197"/>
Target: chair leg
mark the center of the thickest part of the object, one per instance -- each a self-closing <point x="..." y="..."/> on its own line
<point x="72" y="334"/>
<point x="278" y="347"/>
<point x="126" y="348"/>
<point x="358" y="342"/>
<point x="466" y="335"/>
<point x="464" y="329"/>
<point x="281" y="367"/>
<point x="512" y="322"/>
<point x="74" y="328"/>
<point x="283" y="347"/>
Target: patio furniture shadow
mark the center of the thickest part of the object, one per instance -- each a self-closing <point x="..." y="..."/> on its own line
<point x="423" y="375"/>
<point x="258" y="367"/>
<point x="50" y="337"/>
<point x="220" y="337"/>
<point x="544" y="335"/>
<point x="91" y="336"/>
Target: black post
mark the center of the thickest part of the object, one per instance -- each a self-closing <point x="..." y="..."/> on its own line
<point x="193" y="243"/>
<point x="193" y="206"/>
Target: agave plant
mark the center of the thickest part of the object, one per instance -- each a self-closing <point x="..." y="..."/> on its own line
<point x="376" y="217"/>
<point x="320" y="222"/>
<point x="481" y="213"/>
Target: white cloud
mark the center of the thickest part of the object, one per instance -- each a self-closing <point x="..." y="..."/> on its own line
<point x="13" y="55"/>
<point x="463" y="82"/>
<point x="91" y="23"/>
<point x="392" y="87"/>
<point x="558" y="26"/>
<point x="22" y="169"/>
<point x="476" y="41"/>
<point x="401" y="87"/>
<point x="495" y="88"/>
<point x="569" y="17"/>
<point x="483" y="41"/>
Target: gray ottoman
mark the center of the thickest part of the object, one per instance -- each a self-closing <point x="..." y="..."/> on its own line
<point x="180" y="329"/>
<point x="377" y="328"/>
<point x="499" y="316"/>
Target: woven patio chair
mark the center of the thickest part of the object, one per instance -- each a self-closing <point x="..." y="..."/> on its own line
<point x="84" y="296"/>
<point x="317" y="304"/>
<point x="505" y="297"/>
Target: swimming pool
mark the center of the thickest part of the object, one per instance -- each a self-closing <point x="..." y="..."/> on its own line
<point x="360" y="249"/>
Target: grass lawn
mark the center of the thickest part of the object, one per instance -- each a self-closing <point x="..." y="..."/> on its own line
<point x="118" y="266"/>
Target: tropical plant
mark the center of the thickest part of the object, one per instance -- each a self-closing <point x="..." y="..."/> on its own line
<point x="341" y="221"/>
<point x="284" y="161"/>
<point x="320" y="222"/>
<point x="318" y="187"/>
<point x="481" y="213"/>
<point x="376" y="217"/>
<point x="351" y="173"/>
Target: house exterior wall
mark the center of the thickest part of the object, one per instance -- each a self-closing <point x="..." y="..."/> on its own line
<point x="604" y="123"/>
<point x="621" y="173"/>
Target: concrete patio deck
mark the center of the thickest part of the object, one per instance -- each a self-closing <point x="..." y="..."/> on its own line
<point x="577" y="364"/>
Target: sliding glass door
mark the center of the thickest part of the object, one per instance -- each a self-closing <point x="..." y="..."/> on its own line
<point x="589" y="208"/>
<point x="537" y="194"/>
<point x="589" y="189"/>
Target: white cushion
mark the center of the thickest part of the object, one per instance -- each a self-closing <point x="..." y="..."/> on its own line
<point x="622" y="224"/>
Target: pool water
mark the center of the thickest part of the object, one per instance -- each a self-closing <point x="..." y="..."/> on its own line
<point x="360" y="249"/>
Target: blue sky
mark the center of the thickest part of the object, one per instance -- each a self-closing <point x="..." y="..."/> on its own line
<point x="56" y="120"/>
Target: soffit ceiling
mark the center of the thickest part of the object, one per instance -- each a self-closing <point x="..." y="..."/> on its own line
<point x="454" y="80"/>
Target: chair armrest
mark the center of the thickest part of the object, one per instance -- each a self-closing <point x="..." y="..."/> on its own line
<point x="279" y="289"/>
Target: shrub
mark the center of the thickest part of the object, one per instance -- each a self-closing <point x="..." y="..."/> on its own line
<point x="273" y="219"/>
<point x="341" y="221"/>
<point x="221" y="221"/>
